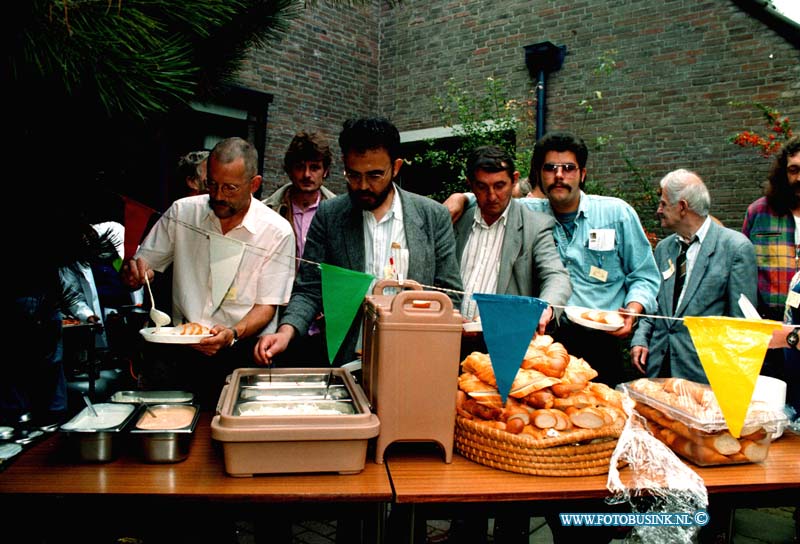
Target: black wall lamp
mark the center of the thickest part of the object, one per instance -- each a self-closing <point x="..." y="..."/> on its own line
<point x="541" y="59"/>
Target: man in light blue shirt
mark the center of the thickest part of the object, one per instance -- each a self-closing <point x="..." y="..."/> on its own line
<point x="601" y="243"/>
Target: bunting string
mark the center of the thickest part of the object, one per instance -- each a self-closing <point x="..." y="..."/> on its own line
<point x="263" y="251"/>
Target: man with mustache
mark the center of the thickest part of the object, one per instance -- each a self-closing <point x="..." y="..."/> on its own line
<point x="262" y="281"/>
<point x="610" y="263"/>
<point x="307" y="162"/>
<point x="601" y="243"/>
<point x="357" y="231"/>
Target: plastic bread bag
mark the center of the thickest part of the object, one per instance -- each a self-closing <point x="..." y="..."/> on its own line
<point x="731" y="351"/>
<point x="685" y="415"/>
<point x="656" y="484"/>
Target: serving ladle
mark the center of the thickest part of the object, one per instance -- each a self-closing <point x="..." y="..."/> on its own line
<point x="159" y="318"/>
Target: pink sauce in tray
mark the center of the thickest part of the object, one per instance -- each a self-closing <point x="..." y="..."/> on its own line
<point x="166" y="417"/>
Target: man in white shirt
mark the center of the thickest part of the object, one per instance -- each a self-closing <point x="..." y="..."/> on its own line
<point x="503" y="247"/>
<point x="184" y="236"/>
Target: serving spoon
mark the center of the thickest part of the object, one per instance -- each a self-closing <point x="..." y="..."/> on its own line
<point x="159" y="318"/>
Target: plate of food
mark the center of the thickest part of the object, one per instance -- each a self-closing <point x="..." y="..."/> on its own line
<point x="604" y="320"/>
<point x="188" y="333"/>
<point x="473" y="326"/>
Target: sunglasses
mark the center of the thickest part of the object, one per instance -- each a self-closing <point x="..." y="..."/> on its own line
<point x="568" y="167"/>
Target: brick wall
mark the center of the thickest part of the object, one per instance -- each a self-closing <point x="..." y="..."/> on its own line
<point x="322" y="72"/>
<point x="680" y="63"/>
<point x="665" y="106"/>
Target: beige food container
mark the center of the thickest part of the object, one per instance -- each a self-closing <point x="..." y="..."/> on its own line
<point x="291" y="420"/>
<point x="411" y="348"/>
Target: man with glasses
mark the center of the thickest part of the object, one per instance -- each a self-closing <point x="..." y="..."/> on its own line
<point x="610" y="262"/>
<point x="361" y="230"/>
<point x="601" y="243"/>
<point x="262" y="281"/>
<point x="705" y="268"/>
<point x="771" y="224"/>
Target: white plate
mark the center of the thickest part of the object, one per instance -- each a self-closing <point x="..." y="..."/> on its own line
<point x="574" y="315"/>
<point x="165" y="336"/>
<point x="473" y="326"/>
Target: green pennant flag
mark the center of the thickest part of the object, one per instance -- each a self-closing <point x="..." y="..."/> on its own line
<point x="343" y="292"/>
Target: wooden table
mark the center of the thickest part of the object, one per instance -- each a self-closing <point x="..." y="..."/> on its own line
<point x="427" y="488"/>
<point x="197" y="487"/>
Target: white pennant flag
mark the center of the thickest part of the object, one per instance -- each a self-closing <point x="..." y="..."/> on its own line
<point x="225" y="254"/>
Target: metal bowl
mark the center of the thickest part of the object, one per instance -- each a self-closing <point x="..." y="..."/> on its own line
<point x="95" y="439"/>
<point x="167" y="436"/>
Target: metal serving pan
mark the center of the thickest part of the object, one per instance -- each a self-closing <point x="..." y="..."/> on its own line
<point x="152" y="397"/>
<point x="166" y="431"/>
<point x="96" y="439"/>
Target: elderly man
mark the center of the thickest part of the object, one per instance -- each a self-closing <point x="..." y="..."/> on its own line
<point x="705" y="268"/>
<point x="357" y="230"/>
<point x="601" y="243"/>
<point x="504" y="247"/>
<point x="262" y="280"/>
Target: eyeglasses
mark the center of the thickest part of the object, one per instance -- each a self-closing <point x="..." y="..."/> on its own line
<point x="371" y="177"/>
<point x="568" y="167"/>
<point x="228" y="189"/>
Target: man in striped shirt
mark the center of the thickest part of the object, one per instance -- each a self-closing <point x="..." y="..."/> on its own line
<point x="503" y="247"/>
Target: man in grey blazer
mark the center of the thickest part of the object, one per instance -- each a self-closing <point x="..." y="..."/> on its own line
<point x="503" y="247"/>
<point x="718" y="265"/>
<point x="356" y="231"/>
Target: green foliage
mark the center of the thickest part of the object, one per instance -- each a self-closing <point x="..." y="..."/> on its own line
<point x="492" y="118"/>
<point x="137" y="57"/>
<point x="489" y="118"/>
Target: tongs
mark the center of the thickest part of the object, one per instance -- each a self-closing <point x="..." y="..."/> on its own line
<point x="328" y="384"/>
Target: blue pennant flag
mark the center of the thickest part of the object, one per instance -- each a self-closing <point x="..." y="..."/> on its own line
<point x="509" y="323"/>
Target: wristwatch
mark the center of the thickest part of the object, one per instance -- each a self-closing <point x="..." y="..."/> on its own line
<point x="793" y="338"/>
<point x="235" y="336"/>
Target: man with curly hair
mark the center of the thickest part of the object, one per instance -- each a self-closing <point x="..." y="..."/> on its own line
<point x="771" y="223"/>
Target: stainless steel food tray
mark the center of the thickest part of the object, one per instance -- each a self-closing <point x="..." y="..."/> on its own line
<point x="152" y="397"/>
<point x="295" y="407"/>
<point x="256" y="443"/>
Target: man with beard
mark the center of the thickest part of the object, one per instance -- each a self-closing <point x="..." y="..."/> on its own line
<point x="358" y="230"/>
<point x="771" y="224"/>
<point x="705" y="268"/>
<point x="601" y="243"/>
<point x="262" y="281"/>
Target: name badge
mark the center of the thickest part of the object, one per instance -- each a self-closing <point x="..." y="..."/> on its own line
<point x="793" y="299"/>
<point x="601" y="239"/>
<point x="667" y="274"/>
<point x="231" y="294"/>
<point x="598" y="273"/>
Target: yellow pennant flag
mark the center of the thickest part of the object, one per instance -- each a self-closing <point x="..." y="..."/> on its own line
<point x="731" y="351"/>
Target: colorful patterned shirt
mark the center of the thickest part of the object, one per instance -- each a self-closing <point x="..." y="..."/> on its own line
<point x="776" y="255"/>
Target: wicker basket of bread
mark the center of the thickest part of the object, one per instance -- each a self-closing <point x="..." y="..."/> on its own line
<point x="555" y="421"/>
